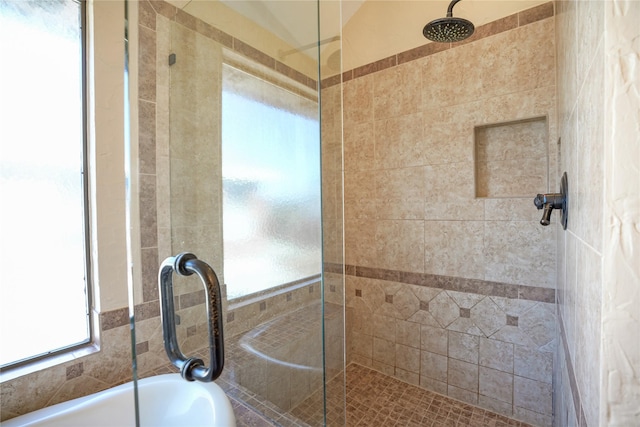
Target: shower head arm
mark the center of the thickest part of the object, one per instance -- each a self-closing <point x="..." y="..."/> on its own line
<point x="450" y="9"/>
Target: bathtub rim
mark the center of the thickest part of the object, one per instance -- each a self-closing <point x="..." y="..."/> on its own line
<point x="123" y="392"/>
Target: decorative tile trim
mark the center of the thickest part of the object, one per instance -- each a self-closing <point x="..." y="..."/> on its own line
<point x="148" y="212"/>
<point x="421" y="52"/>
<point x="350" y="269"/>
<point x="147" y="310"/>
<point x="142" y="347"/>
<point x="147" y="64"/>
<point x="537" y="294"/>
<point x="373" y="67"/>
<point x="146" y="15"/>
<point x="498" y="26"/>
<point x="254" y="54"/>
<point x="537" y="13"/>
<point x="149" y="267"/>
<point x="163" y="8"/>
<point x="378" y="273"/>
<point x="147" y="137"/>
<point x="330" y="267"/>
<point x="120" y="317"/>
<point x="114" y="318"/>
<point x="331" y="81"/>
<point x="577" y="404"/>
<point x="74" y="371"/>
<point x="451" y="283"/>
<point x="191" y="299"/>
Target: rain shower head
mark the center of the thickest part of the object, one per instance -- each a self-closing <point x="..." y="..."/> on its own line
<point x="449" y="29"/>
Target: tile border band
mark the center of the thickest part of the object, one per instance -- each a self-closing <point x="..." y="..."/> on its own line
<point x="147" y="310"/>
<point x="120" y="317"/>
<point x="573" y="384"/>
<point x="448" y="283"/>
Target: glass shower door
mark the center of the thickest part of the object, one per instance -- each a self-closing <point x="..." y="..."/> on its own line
<point x="235" y="178"/>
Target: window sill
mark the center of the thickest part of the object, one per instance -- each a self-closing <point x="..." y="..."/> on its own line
<point x="241" y="301"/>
<point x="11" y="373"/>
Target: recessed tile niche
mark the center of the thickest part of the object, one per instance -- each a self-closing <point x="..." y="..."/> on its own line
<point x="511" y="158"/>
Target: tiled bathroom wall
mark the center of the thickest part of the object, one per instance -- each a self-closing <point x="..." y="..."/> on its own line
<point x="450" y="288"/>
<point x="592" y="385"/>
<point x="580" y="103"/>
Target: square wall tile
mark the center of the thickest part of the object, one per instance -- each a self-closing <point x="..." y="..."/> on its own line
<point x="407" y="358"/>
<point x="463" y="347"/>
<point x="496" y="354"/>
<point x="496" y="384"/>
<point x="533" y="364"/>
<point x="532" y="395"/>
<point x="400" y="245"/>
<point x="454" y="248"/>
<point x="463" y="375"/>
<point x="434" y="340"/>
<point x="462" y="394"/>
<point x="384" y="351"/>
<point x="408" y="333"/>
<point x="433" y="366"/>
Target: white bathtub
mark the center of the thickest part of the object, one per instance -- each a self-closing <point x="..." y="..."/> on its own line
<point x="165" y="400"/>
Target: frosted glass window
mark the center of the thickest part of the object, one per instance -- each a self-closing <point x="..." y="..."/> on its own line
<point x="43" y="293"/>
<point x="271" y="184"/>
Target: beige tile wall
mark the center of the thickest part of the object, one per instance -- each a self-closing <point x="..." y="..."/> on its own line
<point x="449" y="298"/>
<point x="580" y="74"/>
<point x="403" y="171"/>
<point x="595" y="155"/>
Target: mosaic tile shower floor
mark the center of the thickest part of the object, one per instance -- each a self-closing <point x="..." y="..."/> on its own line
<point x="373" y="399"/>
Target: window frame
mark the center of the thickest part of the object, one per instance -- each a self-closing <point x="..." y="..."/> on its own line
<point x="46" y="359"/>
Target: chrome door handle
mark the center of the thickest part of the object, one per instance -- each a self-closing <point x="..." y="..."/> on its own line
<point x="186" y="264"/>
